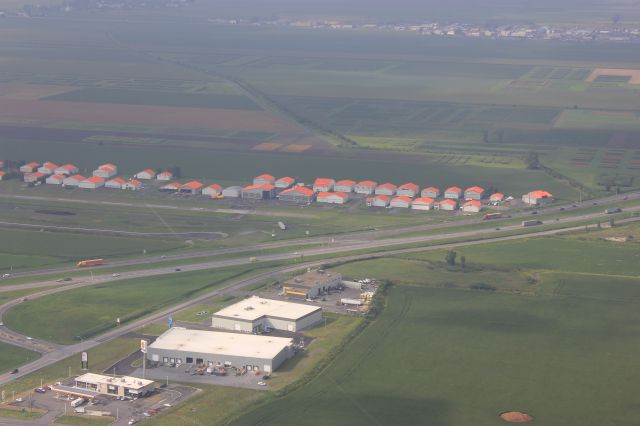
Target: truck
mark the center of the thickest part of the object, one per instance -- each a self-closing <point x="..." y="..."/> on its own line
<point x="490" y="216"/>
<point x="92" y="262"/>
<point x="532" y="222"/>
<point x="613" y="210"/>
<point x="282" y="225"/>
<point x="77" y="402"/>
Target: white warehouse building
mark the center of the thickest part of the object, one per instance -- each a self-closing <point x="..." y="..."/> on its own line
<point x="256" y="314"/>
<point x="180" y="346"/>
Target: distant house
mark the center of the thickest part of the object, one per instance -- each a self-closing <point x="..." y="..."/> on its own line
<point x="366" y="187"/>
<point x="232" y="192"/>
<point x="164" y="176"/>
<point x="453" y="193"/>
<point x="67" y="169"/>
<point x="323" y="184"/>
<point x="2" y="175"/>
<point x="264" y="179"/>
<point x="332" y="197"/>
<point x="194" y="188"/>
<point x="401" y="201"/>
<point x="297" y="194"/>
<point x="106" y="171"/>
<point x="430" y="192"/>
<point x="93" y="182"/>
<point x="146" y="174"/>
<point x="284" y="182"/>
<point x="496" y="198"/>
<point x="115" y="183"/>
<point x="474" y="193"/>
<point x="133" y="185"/>
<point x="408" y="190"/>
<point x="344" y="185"/>
<point x="34" y="177"/>
<point x="423" y="203"/>
<point x="213" y="190"/>
<point x="258" y="192"/>
<point x="378" y="201"/>
<point x="537" y="197"/>
<point x="472" y="206"/>
<point x="30" y="167"/>
<point x="386" y="189"/>
<point x="55" y="179"/>
<point x="447" y="205"/>
<point x="73" y="180"/>
<point x="48" y="168"/>
<point x="171" y="187"/>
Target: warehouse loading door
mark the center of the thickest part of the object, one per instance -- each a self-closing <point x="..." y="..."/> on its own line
<point x="237" y="327"/>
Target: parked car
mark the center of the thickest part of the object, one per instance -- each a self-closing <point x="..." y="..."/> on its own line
<point x="15" y="371"/>
<point x="40" y="390"/>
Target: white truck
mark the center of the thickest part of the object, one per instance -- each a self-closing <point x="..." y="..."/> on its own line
<point x="77" y="402"/>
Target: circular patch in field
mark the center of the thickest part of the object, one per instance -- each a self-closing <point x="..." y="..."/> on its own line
<point x="515" y="417"/>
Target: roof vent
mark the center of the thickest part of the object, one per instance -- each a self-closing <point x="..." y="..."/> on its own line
<point x="248" y="308"/>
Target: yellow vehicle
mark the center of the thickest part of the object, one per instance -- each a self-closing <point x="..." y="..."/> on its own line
<point x="253" y="259"/>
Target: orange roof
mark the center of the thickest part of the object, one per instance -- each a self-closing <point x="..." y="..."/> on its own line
<point x="172" y="185"/>
<point x="432" y="188"/>
<point x="149" y="171"/>
<point x="58" y="176"/>
<point x="323" y="182"/>
<point x="423" y="200"/>
<point x="265" y="176"/>
<point x="332" y="194"/>
<point x="540" y="194"/>
<point x="165" y="174"/>
<point x="448" y="202"/>
<point x="409" y="185"/>
<point x="497" y="195"/>
<point x="453" y="189"/>
<point x="33" y="164"/>
<point x="402" y="198"/>
<point x="107" y="168"/>
<point x="118" y="180"/>
<point x="134" y="182"/>
<point x="301" y="189"/>
<point x="77" y="177"/>
<point x="36" y="174"/>
<point x="387" y="185"/>
<point x="366" y="183"/>
<point x="263" y="186"/>
<point x="113" y="166"/>
<point x="472" y="203"/>
<point x="287" y="179"/>
<point x="474" y="189"/>
<point x="194" y="184"/>
<point x="95" y="179"/>
<point x="50" y="165"/>
<point x="346" y="182"/>
<point x="382" y="197"/>
<point x="2" y="173"/>
<point x="68" y="167"/>
<point x="215" y="186"/>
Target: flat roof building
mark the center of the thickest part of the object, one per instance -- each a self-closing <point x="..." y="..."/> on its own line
<point x="179" y="345"/>
<point x="116" y="386"/>
<point x="255" y="314"/>
<point x="313" y="283"/>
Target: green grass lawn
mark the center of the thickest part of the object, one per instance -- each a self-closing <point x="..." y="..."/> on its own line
<point x="451" y="357"/>
<point x="84" y="420"/>
<point x="14" y="356"/>
<point x="18" y="414"/>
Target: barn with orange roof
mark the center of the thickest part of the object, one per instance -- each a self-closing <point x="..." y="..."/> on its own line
<point x="323" y="184"/>
<point x="453" y="193"/>
<point x="472" y="206"/>
<point x="264" y="178"/>
<point x="332" y="197"/>
<point x="474" y="193"/>
<point x="193" y="188"/>
<point x="366" y="187"/>
<point x="401" y="201"/>
<point x="423" y="203"/>
<point x="537" y="197"/>
<point x="409" y="189"/>
<point x="258" y="192"/>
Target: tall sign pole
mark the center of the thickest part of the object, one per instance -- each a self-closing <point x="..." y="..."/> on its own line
<point x="143" y="349"/>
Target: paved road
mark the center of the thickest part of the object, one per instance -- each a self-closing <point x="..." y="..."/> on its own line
<point x="61" y="352"/>
<point x="347" y="238"/>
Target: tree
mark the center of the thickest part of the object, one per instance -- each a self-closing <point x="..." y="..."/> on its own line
<point x="532" y="160"/>
<point x="450" y="257"/>
<point x="463" y="261"/>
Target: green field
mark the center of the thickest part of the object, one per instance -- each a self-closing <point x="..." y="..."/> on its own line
<point x="84" y="421"/>
<point x="14" y="356"/>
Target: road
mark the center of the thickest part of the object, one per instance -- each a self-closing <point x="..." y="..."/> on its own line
<point x="345" y="238"/>
<point x="57" y="353"/>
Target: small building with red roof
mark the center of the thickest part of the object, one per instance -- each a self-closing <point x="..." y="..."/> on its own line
<point x="472" y="206"/>
<point x="297" y="194"/>
<point x="366" y="187"/>
<point x="387" y="189"/>
<point x="132" y="185"/>
<point x="56" y="179"/>
<point x="146" y="174"/>
<point x="94" y="182"/>
<point x="115" y="183"/>
<point x="323" y="184"/>
<point x="408" y="190"/>
<point x="2" y="175"/>
<point x="344" y="185"/>
<point x="264" y="179"/>
<point x="401" y="201"/>
<point x="284" y="182"/>
<point x="474" y="193"/>
<point x="48" y="168"/>
<point x="171" y="187"/>
<point x="106" y="171"/>
<point x="31" y="167"/>
<point x="67" y="169"/>
<point x="447" y="205"/>
<point x="258" y="191"/>
<point x="537" y="197"/>
<point x="332" y="197"/>
<point x="34" y="177"/>
<point x="378" y="201"/>
<point x="430" y="192"/>
<point x="194" y="187"/>
<point x="423" y="203"/>
<point x="165" y="176"/>
<point x="453" y="193"/>
<point x="496" y="198"/>
<point x="73" y="180"/>
<point x="213" y="190"/>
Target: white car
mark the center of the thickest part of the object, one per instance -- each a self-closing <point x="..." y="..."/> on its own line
<point x="29" y="338"/>
<point x="132" y="422"/>
<point x="6" y="275"/>
<point x="262" y="384"/>
<point x="115" y="275"/>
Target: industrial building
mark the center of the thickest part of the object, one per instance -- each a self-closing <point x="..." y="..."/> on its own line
<point x="423" y="203"/>
<point x="400" y="201"/>
<point x="474" y="193"/>
<point x="232" y="192"/>
<point x="311" y="284"/>
<point x="92" y="182"/>
<point x="332" y="197"/>
<point x="264" y="179"/>
<point x="537" y="197"/>
<point x="164" y="176"/>
<point x="323" y="184"/>
<point x="255" y="314"/>
<point x="106" y="171"/>
<point x="378" y="201"/>
<point x="453" y="193"/>
<point x="284" y="182"/>
<point x="213" y="190"/>
<point x="194" y="188"/>
<point x="447" y="205"/>
<point x="48" y="168"/>
<point x="67" y="169"/>
<point x="55" y="179"/>
<point x="388" y="189"/>
<point x="365" y="187"/>
<point x="29" y="167"/>
<point x="116" y="386"/>
<point x="73" y="180"/>
<point x="408" y="190"/>
<point x="258" y="192"/>
<point x="496" y="198"/>
<point x="472" y="206"/>
<point x="344" y="185"/>
<point x="297" y="194"/>
<point x="179" y="346"/>
<point x="116" y="183"/>
<point x="133" y="185"/>
<point x="146" y="174"/>
<point x="430" y="192"/>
